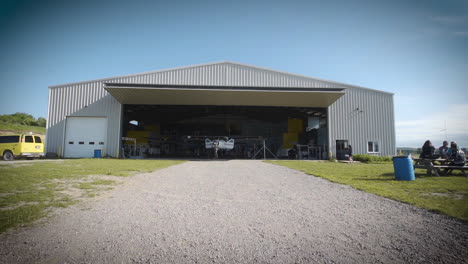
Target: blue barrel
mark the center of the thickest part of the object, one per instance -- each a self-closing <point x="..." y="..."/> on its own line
<point x="97" y="153"/>
<point x="403" y="166"/>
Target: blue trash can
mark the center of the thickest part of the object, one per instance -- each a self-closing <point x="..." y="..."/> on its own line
<point x="97" y="153"/>
<point x="403" y="166"/>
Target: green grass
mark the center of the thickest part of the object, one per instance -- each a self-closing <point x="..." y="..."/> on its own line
<point x="447" y="195"/>
<point x="29" y="191"/>
<point x="22" y="128"/>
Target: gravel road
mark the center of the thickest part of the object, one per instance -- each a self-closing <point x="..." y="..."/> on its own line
<point x="238" y="212"/>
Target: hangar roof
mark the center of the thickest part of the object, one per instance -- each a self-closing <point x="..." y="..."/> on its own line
<point x="225" y="73"/>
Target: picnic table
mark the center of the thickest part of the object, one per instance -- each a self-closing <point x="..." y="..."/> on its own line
<point x="438" y="167"/>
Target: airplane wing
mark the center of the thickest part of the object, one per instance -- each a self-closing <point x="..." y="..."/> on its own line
<point x="208" y="143"/>
<point x="229" y="144"/>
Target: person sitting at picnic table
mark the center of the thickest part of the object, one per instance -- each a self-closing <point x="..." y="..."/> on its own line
<point x="456" y="155"/>
<point x="428" y="151"/>
<point x="443" y="150"/>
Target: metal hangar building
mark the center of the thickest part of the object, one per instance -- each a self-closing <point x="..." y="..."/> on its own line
<point x="168" y="113"/>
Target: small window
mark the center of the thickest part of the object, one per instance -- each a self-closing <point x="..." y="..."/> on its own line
<point x="9" y="139"/>
<point x="37" y="139"/>
<point x="101" y="143"/>
<point x="373" y="147"/>
<point x="29" y="139"/>
<point x="91" y="143"/>
<point x="81" y="142"/>
<point x="71" y="142"/>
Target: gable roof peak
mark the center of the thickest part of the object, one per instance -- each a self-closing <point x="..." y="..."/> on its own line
<point x="223" y="62"/>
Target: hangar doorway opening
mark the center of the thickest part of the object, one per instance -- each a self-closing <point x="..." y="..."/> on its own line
<point x="180" y="131"/>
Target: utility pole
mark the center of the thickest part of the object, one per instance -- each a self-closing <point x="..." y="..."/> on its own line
<point x="445" y="130"/>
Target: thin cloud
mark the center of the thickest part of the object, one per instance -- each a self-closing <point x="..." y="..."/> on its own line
<point x="451" y="19"/>
<point x="451" y="121"/>
<point x="461" y="33"/>
<point x="454" y="25"/>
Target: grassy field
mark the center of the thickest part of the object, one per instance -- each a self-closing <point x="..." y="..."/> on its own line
<point x="447" y="195"/>
<point x="28" y="191"/>
<point x="22" y="128"/>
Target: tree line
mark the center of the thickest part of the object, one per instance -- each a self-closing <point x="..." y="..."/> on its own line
<point x="23" y="119"/>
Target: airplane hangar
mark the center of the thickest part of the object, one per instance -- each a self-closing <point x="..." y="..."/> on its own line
<point x="173" y="113"/>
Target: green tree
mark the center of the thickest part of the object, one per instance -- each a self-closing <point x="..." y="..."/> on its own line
<point x="23" y="119"/>
<point x="41" y="122"/>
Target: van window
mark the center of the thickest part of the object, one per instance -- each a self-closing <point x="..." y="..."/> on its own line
<point x="29" y="139"/>
<point x="37" y="139"/>
<point x="9" y="139"/>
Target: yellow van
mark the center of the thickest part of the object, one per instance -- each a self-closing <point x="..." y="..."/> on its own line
<point x="28" y="146"/>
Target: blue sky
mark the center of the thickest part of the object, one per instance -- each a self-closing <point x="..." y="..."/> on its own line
<point x="414" y="49"/>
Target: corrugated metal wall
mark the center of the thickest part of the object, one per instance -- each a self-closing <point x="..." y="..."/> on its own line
<point x="90" y="99"/>
<point x="360" y="116"/>
<point x="87" y="99"/>
<point x="224" y="74"/>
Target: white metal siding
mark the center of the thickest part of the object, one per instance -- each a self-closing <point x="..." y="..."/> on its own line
<point x="89" y="98"/>
<point x="374" y="121"/>
<point x="224" y="73"/>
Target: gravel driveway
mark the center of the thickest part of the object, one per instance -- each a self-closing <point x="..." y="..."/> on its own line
<point x="238" y="212"/>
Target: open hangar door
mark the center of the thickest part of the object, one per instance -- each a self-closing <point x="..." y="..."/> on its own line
<point x="179" y="131"/>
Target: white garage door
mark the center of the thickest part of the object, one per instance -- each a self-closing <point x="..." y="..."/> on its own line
<point x="83" y="135"/>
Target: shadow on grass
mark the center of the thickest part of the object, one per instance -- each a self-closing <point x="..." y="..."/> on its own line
<point x="391" y="177"/>
<point x="374" y="179"/>
<point x="417" y="175"/>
